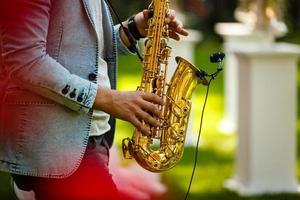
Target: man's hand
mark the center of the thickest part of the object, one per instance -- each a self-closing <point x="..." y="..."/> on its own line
<point x="175" y="25"/>
<point x="141" y="20"/>
<point x="133" y="107"/>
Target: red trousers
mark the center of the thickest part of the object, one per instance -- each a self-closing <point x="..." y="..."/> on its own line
<point x="91" y="181"/>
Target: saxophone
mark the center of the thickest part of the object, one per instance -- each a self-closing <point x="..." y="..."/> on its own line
<point x="163" y="148"/>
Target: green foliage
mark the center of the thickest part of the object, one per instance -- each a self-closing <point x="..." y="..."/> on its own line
<point x="5" y="187"/>
<point x="131" y="7"/>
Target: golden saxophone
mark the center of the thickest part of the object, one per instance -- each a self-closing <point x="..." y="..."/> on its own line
<point x="176" y="94"/>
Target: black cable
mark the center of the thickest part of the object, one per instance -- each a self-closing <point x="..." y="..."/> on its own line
<point x="198" y="139"/>
<point x="132" y="46"/>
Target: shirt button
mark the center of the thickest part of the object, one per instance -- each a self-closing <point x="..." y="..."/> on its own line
<point x="92" y="76"/>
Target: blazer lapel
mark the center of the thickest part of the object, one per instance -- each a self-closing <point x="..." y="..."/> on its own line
<point x="88" y="12"/>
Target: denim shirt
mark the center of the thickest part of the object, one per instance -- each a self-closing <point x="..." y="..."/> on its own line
<point x="48" y="85"/>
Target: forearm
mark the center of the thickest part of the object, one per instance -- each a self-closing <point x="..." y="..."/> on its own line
<point x="103" y="99"/>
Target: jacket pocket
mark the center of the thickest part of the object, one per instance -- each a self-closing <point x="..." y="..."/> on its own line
<point x="12" y="121"/>
<point x="20" y="108"/>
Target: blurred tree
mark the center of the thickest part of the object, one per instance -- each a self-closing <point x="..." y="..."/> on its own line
<point x="197" y="7"/>
<point x="204" y="14"/>
<point x="293" y="15"/>
<point x="127" y="8"/>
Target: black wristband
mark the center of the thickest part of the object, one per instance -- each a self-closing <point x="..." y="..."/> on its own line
<point x="132" y="47"/>
<point x="133" y="29"/>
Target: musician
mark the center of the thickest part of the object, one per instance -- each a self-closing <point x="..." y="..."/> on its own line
<point x="58" y="97"/>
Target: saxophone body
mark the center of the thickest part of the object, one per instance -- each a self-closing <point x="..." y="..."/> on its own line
<point x="164" y="147"/>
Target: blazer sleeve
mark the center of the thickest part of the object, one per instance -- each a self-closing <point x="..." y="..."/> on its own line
<point x="24" y="28"/>
<point x="122" y="49"/>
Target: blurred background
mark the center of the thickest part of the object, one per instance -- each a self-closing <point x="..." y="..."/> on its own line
<point x="218" y="146"/>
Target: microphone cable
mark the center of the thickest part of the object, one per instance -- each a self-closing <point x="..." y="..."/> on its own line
<point x="214" y="58"/>
<point x="198" y="139"/>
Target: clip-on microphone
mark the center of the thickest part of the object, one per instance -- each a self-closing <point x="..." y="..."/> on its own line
<point x="217" y="58"/>
<point x="214" y="58"/>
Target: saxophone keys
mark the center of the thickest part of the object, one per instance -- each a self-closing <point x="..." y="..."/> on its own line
<point x="156" y="165"/>
<point x="177" y="133"/>
<point x="185" y="110"/>
<point x="165" y="124"/>
<point x="169" y="153"/>
<point x="126" y="145"/>
<point x="148" y="43"/>
<point x="181" y="107"/>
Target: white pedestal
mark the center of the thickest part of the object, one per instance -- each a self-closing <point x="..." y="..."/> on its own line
<point x="266" y="119"/>
<point x="236" y="36"/>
